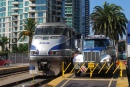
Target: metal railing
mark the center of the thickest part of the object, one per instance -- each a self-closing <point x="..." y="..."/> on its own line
<point x="18" y="58"/>
<point x="92" y="68"/>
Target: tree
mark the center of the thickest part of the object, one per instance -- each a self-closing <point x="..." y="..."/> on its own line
<point x="109" y="20"/>
<point x="14" y="49"/>
<point x="29" y="27"/>
<point x="3" y="43"/>
<point x="23" y="48"/>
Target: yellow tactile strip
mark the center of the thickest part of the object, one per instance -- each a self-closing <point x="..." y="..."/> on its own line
<point x="56" y="81"/>
<point x="123" y="81"/>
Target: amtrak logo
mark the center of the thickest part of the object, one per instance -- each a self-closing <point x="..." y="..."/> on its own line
<point x="44" y="43"/>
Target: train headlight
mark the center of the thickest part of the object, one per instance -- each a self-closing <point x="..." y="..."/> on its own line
<point x="31" y="52"/>
<point x="54" y="52"/>
<point x="34" y="52"/>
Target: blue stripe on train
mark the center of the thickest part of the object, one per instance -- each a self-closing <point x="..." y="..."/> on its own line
<point x="66" y="45"/>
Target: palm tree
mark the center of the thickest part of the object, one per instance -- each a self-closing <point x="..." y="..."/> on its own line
<point x="3" y="43"/>
<point x="108" y="20"/>
<point x="29" y="28"/>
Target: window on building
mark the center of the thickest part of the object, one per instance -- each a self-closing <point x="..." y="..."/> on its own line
<point x="3" y="24"/>
<point x="25" y="15"/>
<point x="21" y="16"/>
<point x="3" y="19"/>
<point x="10" y="24"/>
<point x="40" y="14"/>
<point x="4" y="14"/>
<point x="3" y="3"/>
<point x="40" y="1"/>
<point x="9" y="34"/>
<point x="9" y="2"/>
<point x="9" y="13"/>
<point x="26" y="3"/>
<point x="20" y="5"/>
<point x="26" y="9"/>
<point x="3" y="35"/>
<point x="20" y="0"/>
<point x="40" y="20"/>
<point x="20" y="11"/>
<point x="41" y="8"/>
<point x="9" y="29"/>
<point x="21" y="22"/>
<point x="21" y="27"/>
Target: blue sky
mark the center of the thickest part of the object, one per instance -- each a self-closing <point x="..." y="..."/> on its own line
<point x="125" y="4"/>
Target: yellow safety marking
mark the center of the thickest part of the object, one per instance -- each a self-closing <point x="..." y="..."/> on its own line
<point x="108" y="68"/>
<point x="67" y="66"/>
<point x="86" y="69"/>
<point x="73" y="67"/>
<point x="91" y="73"/>
<point x="62" y="69"/>
<point x="63" y="85"/>
<point x="101" y="79"/>
<point x="33" y="78"/>
<point x="80" y="67"/>
<point x="120" y="64"/>
<point x="95" y="66"/>
<point x="13" y="67"/>
<point x="102" y="68"/>
<point x="115" y="69"/>
<point x="91" y="65"/>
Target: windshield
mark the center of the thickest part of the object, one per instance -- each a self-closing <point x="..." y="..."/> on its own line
<point x="49" y="31"/>
<point x="91" y="43"/>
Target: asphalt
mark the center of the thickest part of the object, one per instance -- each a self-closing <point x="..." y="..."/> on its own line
<point x="121" y="81"/>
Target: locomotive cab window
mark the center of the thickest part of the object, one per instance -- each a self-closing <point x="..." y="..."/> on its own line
<point x="49" y="31"/>
<point x="67" y="33"/>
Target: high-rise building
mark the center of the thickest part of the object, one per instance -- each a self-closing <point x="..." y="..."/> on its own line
<point x="68" y="12"/>
<point x="77" y="15"/>
<point x="84" y="17"/>
<point x="13" y="12"/>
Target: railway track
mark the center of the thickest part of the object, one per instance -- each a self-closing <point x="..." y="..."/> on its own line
<point x="23" y="79"/>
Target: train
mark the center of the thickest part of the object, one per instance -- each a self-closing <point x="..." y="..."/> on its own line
<point x="52" y="44"/>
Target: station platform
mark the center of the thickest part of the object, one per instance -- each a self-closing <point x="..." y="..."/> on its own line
<point x="69" y="80"/>
<point x="13" y="68"/>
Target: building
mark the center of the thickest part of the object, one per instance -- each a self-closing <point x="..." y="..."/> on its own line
<point x="77" y="15"/>
<point x="84" y="18"/>
<point x="68" y="12"/>
<point x="13" y="12"/>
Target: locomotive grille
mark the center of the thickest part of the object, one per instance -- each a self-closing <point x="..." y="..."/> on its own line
<point x="92" y="56"/>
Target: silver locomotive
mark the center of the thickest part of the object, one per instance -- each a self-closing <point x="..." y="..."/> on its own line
<point x="52" y="44"/>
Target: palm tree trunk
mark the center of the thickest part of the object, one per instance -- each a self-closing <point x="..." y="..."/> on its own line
<point x="29" y="47"/>
<point x="2" y="47"/>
